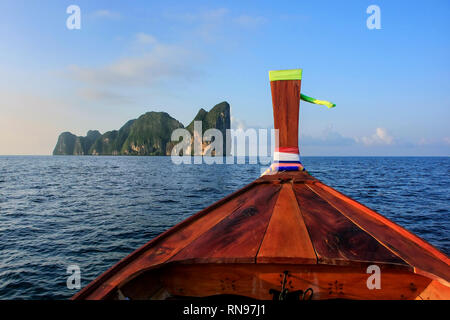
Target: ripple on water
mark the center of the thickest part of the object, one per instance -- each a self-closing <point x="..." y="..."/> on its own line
<point x="93" y="211"/>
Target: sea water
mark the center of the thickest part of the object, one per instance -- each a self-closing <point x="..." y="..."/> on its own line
<point x="57" y="211"/>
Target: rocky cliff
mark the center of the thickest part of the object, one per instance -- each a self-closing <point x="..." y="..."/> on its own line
<point x="148" y="135"/>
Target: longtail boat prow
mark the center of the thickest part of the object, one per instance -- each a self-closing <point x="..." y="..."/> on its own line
<point x="285" y="236"/>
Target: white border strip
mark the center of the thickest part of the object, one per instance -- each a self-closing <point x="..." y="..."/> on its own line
<point x="284" y="156"/>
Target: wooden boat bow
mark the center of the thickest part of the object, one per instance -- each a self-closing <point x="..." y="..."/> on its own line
<point x="284" y="233"/>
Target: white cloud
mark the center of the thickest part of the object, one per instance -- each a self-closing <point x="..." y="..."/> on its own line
<point x="238" y="124"/>
<point x="380" y="137"/>
<point x="151" y="67"/>
<point x="447" y="140"/>
<point x="144" y="38"/>
<point x="329" y="137"/>
<point x="423" y="141"/>
<point x="94" y="94"/>
<point x="443" y="141"/>
<point x="214" y="14"/>
<point x="205" y="16"/>
<point x="249" y="21"/>
<point x="104" y="13"/>
<point x="161" y="62"/>
<point x="213" y="25"/>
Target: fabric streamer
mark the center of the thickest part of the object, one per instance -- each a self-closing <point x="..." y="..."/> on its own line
<point x="328" y="104"/>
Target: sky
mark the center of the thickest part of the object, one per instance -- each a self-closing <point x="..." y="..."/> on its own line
<point x="391" y="85"/>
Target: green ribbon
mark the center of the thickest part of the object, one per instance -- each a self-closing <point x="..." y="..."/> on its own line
<point x="328" y="104"/>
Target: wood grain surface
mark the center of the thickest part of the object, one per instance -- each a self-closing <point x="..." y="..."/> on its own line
<point x="287" y="239"/>
<point x="408" y="246"/>
<point x="335" y="238"/>
<point x="286" y="105"/>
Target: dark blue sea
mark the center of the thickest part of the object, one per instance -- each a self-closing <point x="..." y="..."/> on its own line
<point x="92" y="211"/>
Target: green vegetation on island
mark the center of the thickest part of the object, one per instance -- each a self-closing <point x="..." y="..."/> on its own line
<point x="148" y="135"/>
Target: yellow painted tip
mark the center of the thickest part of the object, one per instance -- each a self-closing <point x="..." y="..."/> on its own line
<point x="292" y="74"/>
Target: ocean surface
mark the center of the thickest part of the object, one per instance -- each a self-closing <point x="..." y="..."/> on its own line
<point x="57" y="211"/>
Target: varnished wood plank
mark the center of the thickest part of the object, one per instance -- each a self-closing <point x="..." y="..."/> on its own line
<point x="285" y="101"/>
<point x="408" y="246"/>
<point x="335" y="238"/>
<point x="286" y="239"/>
<point x="255" y="281"/>
<point x="238" y="237"/>
<point x="143" y="287"/>
<point x="164" y="246"/>
<point x="285" y="176"/>
<point x="435" y="291"/>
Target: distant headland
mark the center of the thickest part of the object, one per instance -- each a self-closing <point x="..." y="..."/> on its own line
<point x="148" y="135"/>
